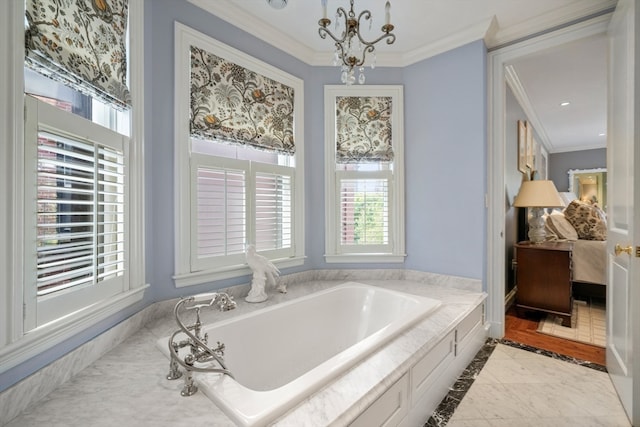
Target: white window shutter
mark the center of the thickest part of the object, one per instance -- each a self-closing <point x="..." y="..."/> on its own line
<point x="76" y="213"/>
<point x="219" y="223"/>
<point x="273" y="209"/>
<point x="363" y="201"/>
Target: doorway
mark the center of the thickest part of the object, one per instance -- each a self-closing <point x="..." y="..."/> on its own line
<point x="499" y="63"/>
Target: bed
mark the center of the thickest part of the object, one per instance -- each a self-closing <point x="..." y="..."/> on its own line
<point x="589" y="261"/>
<point x="585" y="226"/>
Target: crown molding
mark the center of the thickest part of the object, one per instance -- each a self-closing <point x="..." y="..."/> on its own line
<point x="487" y="30"/>
<point x="550" y="20"/>
<point x="483" y="30"/>
<point x="578" y="148"/>
<point x="511" y="76"/>
<point x="249" y="23"/>
<point x="512" y="79"/>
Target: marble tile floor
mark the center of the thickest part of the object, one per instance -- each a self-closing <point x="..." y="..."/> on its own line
<point x="514" y="385"/>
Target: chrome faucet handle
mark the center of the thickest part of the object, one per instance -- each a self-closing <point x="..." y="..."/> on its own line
<point x="222" y="299"/>
<point x="200" y="300"/>
<point x="226" y="302"/>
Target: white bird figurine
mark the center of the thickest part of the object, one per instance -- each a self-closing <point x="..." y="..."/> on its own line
<point x="263" y="270"/>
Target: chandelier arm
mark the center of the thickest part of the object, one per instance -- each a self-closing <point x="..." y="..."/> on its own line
<point x="389" y="36"/>
<point x="367" y="49"/>
<point x="323" y="31"/>
<point x="367" y="17"/>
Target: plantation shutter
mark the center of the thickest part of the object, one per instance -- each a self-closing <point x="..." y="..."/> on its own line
<point x="80" y="213"/>
<point x="233" y="104"/>
<point x="363" y="129"/>
<point x="220" y="221"/>
<point x="273" y="209"/>
<point x="82" y="44"/>
<point x="364" y="210"/>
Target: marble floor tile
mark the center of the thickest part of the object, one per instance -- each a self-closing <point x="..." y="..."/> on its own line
<point x="522" y="386"/>
<point x="557" y="422"/>
<point x="469" y="423"/>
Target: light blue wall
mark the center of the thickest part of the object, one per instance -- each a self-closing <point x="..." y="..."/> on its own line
<point x="159" y="27"/>
<point x="445" y="157"/>
<point x="448" y="129"/>
<point x="445" y="128"/>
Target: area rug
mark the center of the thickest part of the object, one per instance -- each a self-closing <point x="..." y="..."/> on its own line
<point x="587" y="324"/>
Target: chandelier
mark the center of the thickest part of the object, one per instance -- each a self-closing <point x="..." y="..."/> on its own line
<point x="351" y="47"/>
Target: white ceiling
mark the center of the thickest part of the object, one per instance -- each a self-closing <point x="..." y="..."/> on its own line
<point x="574" y="73"/>
<point x="425" y="28"/>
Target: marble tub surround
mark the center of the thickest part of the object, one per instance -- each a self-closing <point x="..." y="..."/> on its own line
<point x="342" y="401"/>
<point x="38" y="385"/>
<point x="127" y="385"/>
<point x="446" y="281"/>
<point x="305" y="354"/>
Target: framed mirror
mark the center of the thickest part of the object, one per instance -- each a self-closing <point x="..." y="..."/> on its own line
<point x="589" y="185"/>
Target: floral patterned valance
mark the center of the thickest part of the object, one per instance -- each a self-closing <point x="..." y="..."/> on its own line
<point x="363" y="129"/>
<point x="237" y="105"/>
<point x="81" y="43"/>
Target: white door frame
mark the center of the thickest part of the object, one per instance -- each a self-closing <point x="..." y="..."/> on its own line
<point x="496" y="89"/>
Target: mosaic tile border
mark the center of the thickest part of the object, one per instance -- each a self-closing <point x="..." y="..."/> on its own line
<point x="554" y="355"/>
<point x="447" y="407"/>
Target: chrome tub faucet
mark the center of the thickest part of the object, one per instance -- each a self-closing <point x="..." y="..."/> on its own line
<point x="201" y="357"/>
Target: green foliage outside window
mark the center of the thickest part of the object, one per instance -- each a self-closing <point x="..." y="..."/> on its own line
<point x="370" y="218"/>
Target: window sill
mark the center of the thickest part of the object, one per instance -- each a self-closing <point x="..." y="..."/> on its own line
<point x="47" y="336"/>
<point x="207" y="276"/>
<point x="364" y="258"/>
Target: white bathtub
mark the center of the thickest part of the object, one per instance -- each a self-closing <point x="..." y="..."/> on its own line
<point x="281" y="354"/>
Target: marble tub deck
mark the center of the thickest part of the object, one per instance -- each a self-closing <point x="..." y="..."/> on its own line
<point x="127" y="385"/>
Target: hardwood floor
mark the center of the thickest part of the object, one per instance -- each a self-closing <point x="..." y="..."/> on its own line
<point x="524" y="331"/>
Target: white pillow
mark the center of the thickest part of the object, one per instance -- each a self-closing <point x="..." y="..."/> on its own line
<point x="561" y="227"/>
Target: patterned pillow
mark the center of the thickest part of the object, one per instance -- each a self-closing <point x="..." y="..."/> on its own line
<point x="588" y="220"/>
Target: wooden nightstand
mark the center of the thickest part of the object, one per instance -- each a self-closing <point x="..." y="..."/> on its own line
<point x="543" y="278"/>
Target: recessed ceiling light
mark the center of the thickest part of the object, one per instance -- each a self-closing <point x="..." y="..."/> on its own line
<point x="564" y="104"/>
<point x="601" y="134"/>
<point x="277" y="4"/>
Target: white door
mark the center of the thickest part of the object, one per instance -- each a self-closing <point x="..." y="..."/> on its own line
<point x="623" y="152"/>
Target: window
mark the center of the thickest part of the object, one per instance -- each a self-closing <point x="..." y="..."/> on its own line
<point x="239" y="141"/>
<point x="73" y="158"/>
<point x="364" y="179"/>
<point x="75" y="212"/>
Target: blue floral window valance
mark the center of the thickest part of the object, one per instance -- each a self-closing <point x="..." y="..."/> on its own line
<point x="237" y="105"/>
<point x="82" y="44"/>
<point x="363" y="129"/>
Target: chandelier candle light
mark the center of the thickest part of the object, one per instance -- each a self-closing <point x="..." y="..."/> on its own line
<point x="351" y="48"/>
<point x="537" y="195"/>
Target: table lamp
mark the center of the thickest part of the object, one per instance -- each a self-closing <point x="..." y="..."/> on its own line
<point x="537" y="195"/>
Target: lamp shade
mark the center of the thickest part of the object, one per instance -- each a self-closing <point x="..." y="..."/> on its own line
<point x="538" y="194"/>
